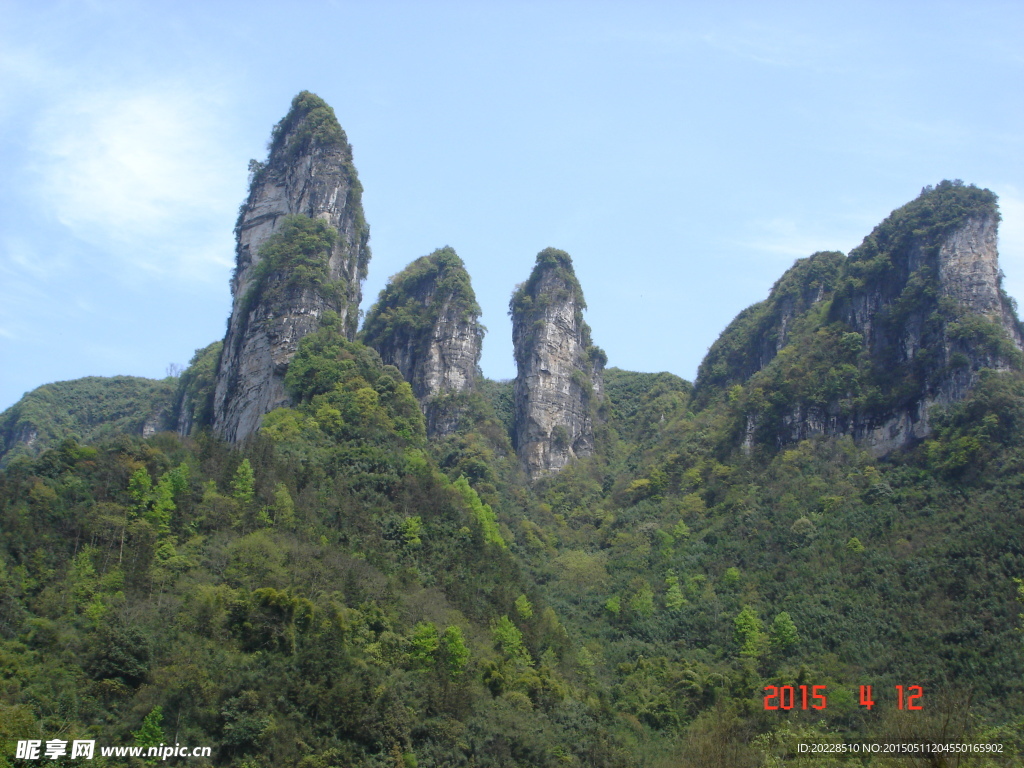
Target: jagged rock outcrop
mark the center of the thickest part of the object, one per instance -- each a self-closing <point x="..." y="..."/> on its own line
<point x="907" y="322"/>
<point x="426" y="324"/>
<point x="289" y="273"/>
<point x="559" y="380"/>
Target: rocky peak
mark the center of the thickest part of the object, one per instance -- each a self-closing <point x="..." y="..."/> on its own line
<point x="907" y="322"/>
<point x="301" y="250"/>
<point x="560" y="378"/>
<point x="426" y="324"/>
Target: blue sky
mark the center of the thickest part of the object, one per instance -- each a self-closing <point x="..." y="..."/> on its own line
<point x="684" y="154"/>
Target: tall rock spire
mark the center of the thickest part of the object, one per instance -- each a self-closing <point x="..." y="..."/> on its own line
<point x="426" y="324"/>
<point x="560" y="371"/>
<point x="301" y="250"/>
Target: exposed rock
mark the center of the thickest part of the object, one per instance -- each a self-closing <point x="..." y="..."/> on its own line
<point x="308" y="173"/>
<point x="913" y="315"/>
<point x="194" y="401"/>
<point x="425" y="323"/>
<point x="559" y="381"/>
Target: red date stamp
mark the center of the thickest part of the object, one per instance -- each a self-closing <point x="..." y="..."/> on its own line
<point x="789" y="697"/>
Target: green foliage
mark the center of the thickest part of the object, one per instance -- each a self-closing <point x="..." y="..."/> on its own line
<point x="411" y="529"/>
<point x="749" y="633"/>
<point x="85" y="410"/>
<point x="292" y="260"/>
<point x="481" y="513"/>
<point x="809" y="355"/>
<point x="523" y="607"/>
<point x="509" y="640"/>
<point x="243" y="484"/>
<point x="340" y="591"/>
<point x="423" y="645"/>
<point x="456" y="654"/>
<point x="196" y="387"/>
<point x="412" y="302"/>
<point x="643" y="402"/>
<point x="783" y="634"/>
<point x="151" y="733"/>
<point x="756" y="335"/>
<point x="345" y="393"/>
<point x="310" y="124"/>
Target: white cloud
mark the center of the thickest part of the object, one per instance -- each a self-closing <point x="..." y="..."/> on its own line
<point x="144" y="176"/>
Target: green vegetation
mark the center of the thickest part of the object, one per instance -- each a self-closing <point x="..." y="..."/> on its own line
<point x="196" y="387"/>
<point x="89" y="409"/>
<point x="293" y="260"/>
<point x="340" y="591"/>
<point x="754" y="337"/>
<point x="807" y="352"/>
<point x="309" y="124"/>
<point x="413" y="300"/>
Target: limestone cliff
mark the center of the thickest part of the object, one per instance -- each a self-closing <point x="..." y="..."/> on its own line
<point x="425" y="323"/>
<point x="308" y="175"/>
<point x="907" y="322"/>
<point x="559" y="380"/>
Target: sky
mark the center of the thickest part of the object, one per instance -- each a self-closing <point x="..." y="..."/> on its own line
<point x="684" y="154"/>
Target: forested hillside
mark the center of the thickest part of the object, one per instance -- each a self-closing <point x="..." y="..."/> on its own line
<point x="325" y="549"/>
<point x="339" y="592"/>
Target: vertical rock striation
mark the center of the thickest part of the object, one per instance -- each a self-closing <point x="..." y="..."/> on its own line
<point x="560" y="378"/>
<point x="924" y="292"/>
<point x="426" y="324"/>
<point x="301" y="250"/>
<point x="906" y="322"/>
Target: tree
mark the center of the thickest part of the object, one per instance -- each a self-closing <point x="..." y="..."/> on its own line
<point x="783" y="634"/>
<point x="243" y="485"/>
<point x="151" y="733"/>
<point x="749" y="632"/>
<point x="454" y="651"/>
<point x="508" y="637"/>
<point x="423" y="645"/>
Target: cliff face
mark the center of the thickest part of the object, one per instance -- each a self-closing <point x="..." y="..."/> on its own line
<point x="308" y="174"/>
<point x="559" y="379"/>
<point x="425" y="323"/>
<point x="906" y="323"/>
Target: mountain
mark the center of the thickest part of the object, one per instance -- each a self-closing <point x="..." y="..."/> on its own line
<point x="301" y="251"/>
<point x="559" y="381"/>
<point x="867" y="345"/>
<point x="426" y="324"/>
<point x="88" y="410"/>
<point x="355" y="550"/>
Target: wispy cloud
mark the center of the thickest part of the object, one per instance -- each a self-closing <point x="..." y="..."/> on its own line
<point x="793" y="239"/>
<point x="141" y="175"/>
<point x="769" y="44"/>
